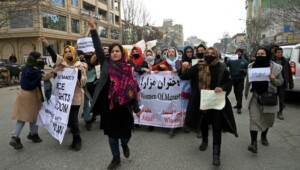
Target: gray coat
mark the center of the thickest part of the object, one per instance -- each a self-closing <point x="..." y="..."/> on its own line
<point x="263" y="117"/>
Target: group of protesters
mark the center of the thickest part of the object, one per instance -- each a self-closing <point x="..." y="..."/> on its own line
<point x="114" y="94"/>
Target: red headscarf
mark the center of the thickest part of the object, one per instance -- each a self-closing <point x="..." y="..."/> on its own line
<point x="137" y="61"/>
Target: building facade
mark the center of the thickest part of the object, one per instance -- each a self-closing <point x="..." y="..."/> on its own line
<point x="172" y="35"/>
<point x="62" y="22"/>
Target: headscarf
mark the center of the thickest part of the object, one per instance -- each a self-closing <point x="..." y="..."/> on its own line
<point x="185" y="58"/>
<point x="137" y="61"/>
<point x="31" y="60"/>
<point x="150" y="64"/>
<point x="261" y="86"/>
<point x="126" y="53"/>
<point x="204" y="72"/>
<point x="170" y="62"/>
<point x="123" y="87"/>
<point x="73" y="53"/>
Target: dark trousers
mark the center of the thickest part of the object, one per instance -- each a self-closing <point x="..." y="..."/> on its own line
<point x="238" y="88"/>
<point x="73" y="120"/>
<point x="281" y="94"/>
<point x="215" y="118"/>
<point x="114" y="145"/>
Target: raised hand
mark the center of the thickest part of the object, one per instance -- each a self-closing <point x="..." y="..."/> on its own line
<point x="43" y="40"/>
<point x="90" y="22"/>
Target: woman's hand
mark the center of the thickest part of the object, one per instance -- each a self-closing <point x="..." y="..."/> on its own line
<point x="174" y="70"/>
<point x="90" y="22"/>
<point x="138" y="114"/>
<point x="218" y="89"/>
<point x="272" y="77"/>
<point x="43" y="40"/>
<point x="185" y="65"/>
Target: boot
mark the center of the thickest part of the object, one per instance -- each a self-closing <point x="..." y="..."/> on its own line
<point x="88" y="125"/>
<point x="172" y="132"/>
<point x="115" y="162"/>
<point x="264" y="141"/>
<point x="216" y="155"/>
<point x="16" y="143"/>
<point x="253" y="147"/>
<point x="76" y="143"/>
<point x="280" y="116"/>
<point x="126" y="151"/>
<point x="34" y="137"/>
<point x="203" y="145"/>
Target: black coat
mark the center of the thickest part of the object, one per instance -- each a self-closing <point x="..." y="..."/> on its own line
<point x="194" y="116"/>
<point x="286" y="72"/>
<point x="117" y="122"/>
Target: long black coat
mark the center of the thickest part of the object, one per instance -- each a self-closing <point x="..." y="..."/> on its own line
<point x="117" y="122"/>
<point x="194" y="116"/>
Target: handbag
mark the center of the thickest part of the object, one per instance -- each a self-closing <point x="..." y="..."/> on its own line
<point x="267" y="99"/>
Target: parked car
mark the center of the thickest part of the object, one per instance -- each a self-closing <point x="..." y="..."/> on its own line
<point x="292" y="54"/>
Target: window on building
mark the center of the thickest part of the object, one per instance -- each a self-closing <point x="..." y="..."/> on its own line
<point x="103" y="31"/>
<point x="74" y="2"/>
<point x="54" y="21"/>
<point x="102" y="14"/>
<point x="111" y="18"/>
<point x="112" y="4"/>
<point x="103" y="1"/>
<point x="117" y="19"/>
<point x="75" y="25"/>
<point x="60" y="3"/>
<point x="21" y="19"/>
<point x="114" y="34"/>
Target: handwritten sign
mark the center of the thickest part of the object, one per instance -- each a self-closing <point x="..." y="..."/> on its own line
<point x="195" y="61"/>
<point x="54" y="114"/>
<point x="85" y="44"/>
<point x="212" y="100"/>
<point x="160" y="96"/>
<point x="259" y="74"/>
<point x="233" y="57"/>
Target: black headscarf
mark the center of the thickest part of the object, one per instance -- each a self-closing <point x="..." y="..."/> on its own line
<point x="261" y="86"/>
<point x="185" y="57"/>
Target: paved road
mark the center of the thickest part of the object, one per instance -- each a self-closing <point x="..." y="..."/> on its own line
<point x="153" y="151"/>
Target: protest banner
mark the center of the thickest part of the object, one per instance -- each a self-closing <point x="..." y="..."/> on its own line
<point x="211" y="100"/>
<point x="160" y="96"/>
<point x="54" y="114"/>
<point x="259" y="74"/>
<point x="85" y="44"/>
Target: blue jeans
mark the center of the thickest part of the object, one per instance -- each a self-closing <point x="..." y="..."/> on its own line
<point x="86" y="106"/>
<point x="114" y="145"/>
<point x="19" y="126"/>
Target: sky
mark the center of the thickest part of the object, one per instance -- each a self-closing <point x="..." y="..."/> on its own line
<point x="206" y="19"/>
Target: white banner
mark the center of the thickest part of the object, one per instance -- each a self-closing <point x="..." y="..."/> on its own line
<point x="160" y="96"/>
<point x="259" y="74"/>
<point x="212" y="100"/>
<point x="85" y="44"/>
<point x="54" y="114"/>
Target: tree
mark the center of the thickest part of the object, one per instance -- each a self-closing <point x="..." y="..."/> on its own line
<point x="17" y="9"/>
<point x="136" y="23"/>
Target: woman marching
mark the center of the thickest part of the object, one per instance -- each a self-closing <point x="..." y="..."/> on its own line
<point x="29" y="99"/>
<point x="211" y="75"/>
<point x="262" y="117"/>
<point x="115" y="96"/>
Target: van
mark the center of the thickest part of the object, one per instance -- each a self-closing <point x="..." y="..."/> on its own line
<point x="292" y="54"/>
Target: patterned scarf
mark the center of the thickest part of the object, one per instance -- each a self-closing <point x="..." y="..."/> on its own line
<point x="123" y="87"/>
<point x="204" y="72"/>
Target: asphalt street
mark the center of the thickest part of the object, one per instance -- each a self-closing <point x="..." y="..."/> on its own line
<point x="154" y="150"/>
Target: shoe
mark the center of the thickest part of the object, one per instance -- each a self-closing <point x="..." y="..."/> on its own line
<point x="35" y="138"/>
<point x="93" y="119"/>
<point x="235" y="107"/>
<point x="239" y="111"/>
<point x="150" y="129"/>
<point x="77" y="143"/>
<point x="171" y="133"/>
<point x="88" y="126"/>
<point x="136" y="125"/>
<point x="126" y="151"/>
<point x="253" y="147"/>
<point x="216" y="155"/>
<point x="186" y="130"/>
<point x="264" y="141"/>
<point x="16" y="143"/>
<point x="203" y="145"/>
<point x="280" y="116"/>
<point x="115" y="162"/>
